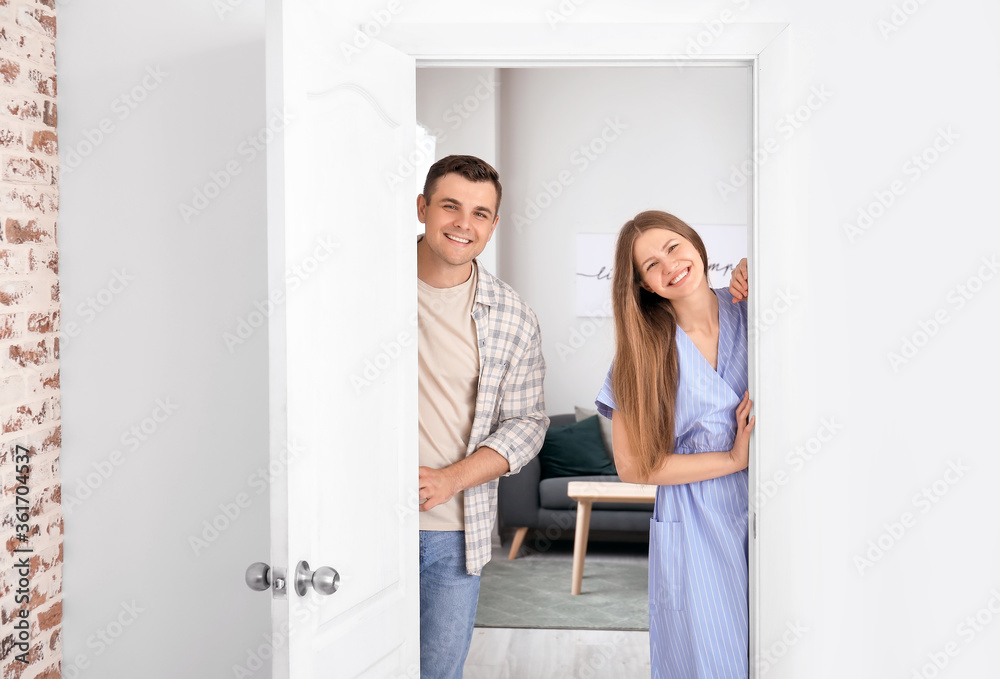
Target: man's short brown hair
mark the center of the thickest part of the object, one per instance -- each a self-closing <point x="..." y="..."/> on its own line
<point x="472" y="168"/>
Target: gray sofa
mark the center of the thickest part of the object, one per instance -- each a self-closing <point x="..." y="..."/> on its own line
<point x="526" y="501"/>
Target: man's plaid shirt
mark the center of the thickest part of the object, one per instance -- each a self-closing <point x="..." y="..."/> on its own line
<point x="510" y="406"/>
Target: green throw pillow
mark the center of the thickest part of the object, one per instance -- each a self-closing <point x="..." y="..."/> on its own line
<point x="575" y="450"/>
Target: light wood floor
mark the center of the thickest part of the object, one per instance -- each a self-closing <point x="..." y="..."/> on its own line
<point x="557" y="654"/>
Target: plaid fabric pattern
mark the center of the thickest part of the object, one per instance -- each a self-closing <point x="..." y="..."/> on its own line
<point x="510" y="406"/>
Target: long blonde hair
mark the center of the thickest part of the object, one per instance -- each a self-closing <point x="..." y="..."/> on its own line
<point x="645" y="373"/>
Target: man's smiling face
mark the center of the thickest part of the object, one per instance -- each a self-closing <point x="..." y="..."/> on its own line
<point x="458" y="218"/>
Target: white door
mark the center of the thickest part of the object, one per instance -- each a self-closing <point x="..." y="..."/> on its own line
<point x="343" y="364"/>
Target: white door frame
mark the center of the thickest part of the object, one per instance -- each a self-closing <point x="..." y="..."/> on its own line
<point x="762" y="47"/>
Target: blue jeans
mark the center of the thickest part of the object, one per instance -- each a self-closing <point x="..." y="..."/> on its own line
<point x="448" y="599"/>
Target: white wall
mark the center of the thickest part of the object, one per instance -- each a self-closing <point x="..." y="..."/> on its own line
<point x="652" y="138"/>
<point x="459" y="107"/>
<point x="161" y="338"/>
<point x="827" y="355"/>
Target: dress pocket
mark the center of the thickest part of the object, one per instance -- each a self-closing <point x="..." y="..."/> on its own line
<point x="666" y="566"/>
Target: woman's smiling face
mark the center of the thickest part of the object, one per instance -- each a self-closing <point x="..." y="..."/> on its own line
<point x="668" y="264"/>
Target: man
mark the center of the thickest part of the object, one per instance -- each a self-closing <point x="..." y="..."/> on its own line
<point x="481" y="409"/>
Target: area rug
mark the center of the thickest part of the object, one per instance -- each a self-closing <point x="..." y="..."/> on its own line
<point x="535" y="593"/>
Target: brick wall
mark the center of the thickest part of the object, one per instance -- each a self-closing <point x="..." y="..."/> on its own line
<point x="30" y="581"/>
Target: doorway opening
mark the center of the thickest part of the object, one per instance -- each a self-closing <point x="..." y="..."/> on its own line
<point x="580" y="150"/>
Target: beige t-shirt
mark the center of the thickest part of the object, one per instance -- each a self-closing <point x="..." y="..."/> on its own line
<point x="448" y="381"/>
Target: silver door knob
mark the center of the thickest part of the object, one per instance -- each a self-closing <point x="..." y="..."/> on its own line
<point x="324" y="579"/>
<point x="258" y="576"/>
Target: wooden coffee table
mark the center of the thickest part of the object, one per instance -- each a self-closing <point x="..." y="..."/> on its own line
<point x="586" y="493"/>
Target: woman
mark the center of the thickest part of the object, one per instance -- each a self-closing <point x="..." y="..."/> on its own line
<point x="677" y="398"/>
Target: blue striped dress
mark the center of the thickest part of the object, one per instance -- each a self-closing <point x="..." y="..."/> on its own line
<point x="698" y="610"/>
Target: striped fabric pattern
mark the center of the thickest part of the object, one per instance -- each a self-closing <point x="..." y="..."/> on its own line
<point x="698" y="605"/>
<point x="510" y="406"/>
